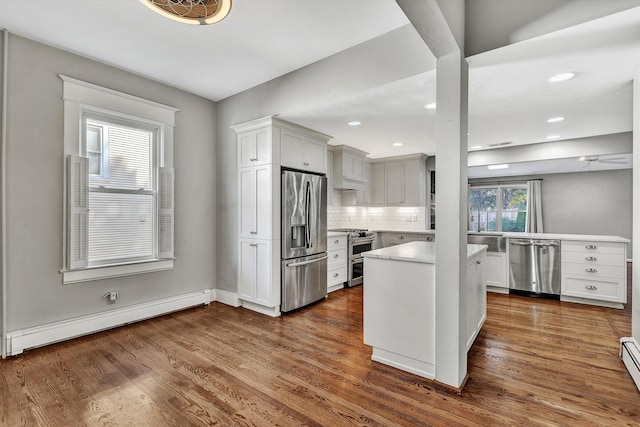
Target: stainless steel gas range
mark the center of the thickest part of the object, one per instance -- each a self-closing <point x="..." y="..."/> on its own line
<point x="360" y="240"/>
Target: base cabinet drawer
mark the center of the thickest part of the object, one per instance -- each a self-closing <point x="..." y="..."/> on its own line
<point x="336" y="275"/>
<point x="594" y="271"/>
<point x="592" y="259"/>
<point x="337" y="257"/>
<point x="593" y="247"/>
<point x="598" y="289"/>
<point x="334" y="242"/>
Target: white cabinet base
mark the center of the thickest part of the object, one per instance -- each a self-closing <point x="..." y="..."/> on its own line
<point x="590" y="301"/>
<point x="417" y="367"/>
<point x="336" y="287"/>
<point x="269" y="311"/>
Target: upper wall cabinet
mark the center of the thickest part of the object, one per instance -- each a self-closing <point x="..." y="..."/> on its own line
<point x="348" y="168"/>
<point x="400" y="181"/>
<point x="256" y="147"/>
<point x="301" y="151"/>
<point x="273" y="141"/>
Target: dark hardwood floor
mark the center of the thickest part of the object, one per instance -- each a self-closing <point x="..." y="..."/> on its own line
<point x="535" y="362"/>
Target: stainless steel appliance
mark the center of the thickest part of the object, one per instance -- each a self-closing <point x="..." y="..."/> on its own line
<point x="304" y="239"/>
<point x="534" y="267"/>
<point x="360" y="240"/>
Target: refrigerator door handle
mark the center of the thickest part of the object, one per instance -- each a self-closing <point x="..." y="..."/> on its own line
<point x="301" y="263"/>
<point x="307" y="206"/>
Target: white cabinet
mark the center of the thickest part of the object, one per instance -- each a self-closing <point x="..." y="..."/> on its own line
<point x="262" y="146"/>
<point x="377" y="184"/>
<point x="337" y="263"/>
<point x="400" y="182"/>
<point x="389" y="238"/>
<point x="258" y="214"/>
<point x="474" y="299"/>
<point x="496" y="272"/>
<point x="258" y="146"/>
<point x="594" y="272"/>
<point x="259" y="273"/>
<point x="349" y="168"/>
<point x="299" y="151"/>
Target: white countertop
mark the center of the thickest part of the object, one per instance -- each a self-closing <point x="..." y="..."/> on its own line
<point x="336" y="233"/>
<point x="424" y="252"/>
<point x="588" y="237"/>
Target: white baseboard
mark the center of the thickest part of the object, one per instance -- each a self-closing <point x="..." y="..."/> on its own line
<point x="630" y="354"/>
<point x="18" y="341"/>
<point x="227" y="297"/>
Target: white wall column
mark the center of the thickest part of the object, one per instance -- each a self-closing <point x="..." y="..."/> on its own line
<point x="635" y="282"/>
<point x="442" y="29"/>
<point x="451" y="216"/>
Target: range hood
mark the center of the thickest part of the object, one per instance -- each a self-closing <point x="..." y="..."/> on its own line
<point x="348" y="168"/>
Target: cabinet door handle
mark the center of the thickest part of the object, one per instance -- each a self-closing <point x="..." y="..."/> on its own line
<point x="335" y="274"/>
<point x="253" y="244"/>
<point x="336" y="241"/>
<point x="253" y="232"/>
<point x="336" y="256"/>
<point x="400" y="237"/>
<point x="254" y="159"/>
<point x="591" y="247"/>
<point x="478" y="262"/>
<point x="306" y="164"/>
<point x="590" y="270"/>
<point x="591" y="258"/>
<point x="591" y="287"/>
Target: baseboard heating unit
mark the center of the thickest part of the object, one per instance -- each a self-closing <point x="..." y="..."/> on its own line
<point x="630" y="354"/>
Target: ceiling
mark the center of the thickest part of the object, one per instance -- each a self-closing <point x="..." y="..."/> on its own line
<point x="510" y="98"/>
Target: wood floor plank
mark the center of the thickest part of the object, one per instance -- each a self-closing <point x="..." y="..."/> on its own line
<point x="535" y="363"/>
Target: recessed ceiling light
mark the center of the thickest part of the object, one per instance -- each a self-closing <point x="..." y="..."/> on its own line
<point x="397" y="144"/>
<point x="431" y="106"/>
<point x="553" y="137"/>
<point x="475" y="147"/>
<point x="555" y="119"/>
<point x="502" y="166"/>
<point x="562" y="77"/>
<point x="354" y="123"/>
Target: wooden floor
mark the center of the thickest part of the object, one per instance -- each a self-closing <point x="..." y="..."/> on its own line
<point x="535" y="362"/>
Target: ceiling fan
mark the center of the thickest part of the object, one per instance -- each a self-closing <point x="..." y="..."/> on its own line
<point x="589" y="160"/>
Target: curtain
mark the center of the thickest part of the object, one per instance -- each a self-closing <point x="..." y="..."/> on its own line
<point x="534" y="207"/>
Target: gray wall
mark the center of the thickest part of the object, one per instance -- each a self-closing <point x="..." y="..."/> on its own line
<point x="393" y="56"/>
<point x="586" y="202"/>
<point x="34" y="194"/>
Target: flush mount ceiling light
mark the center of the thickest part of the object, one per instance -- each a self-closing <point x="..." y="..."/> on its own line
<point x="553" y="137"/>
<point x="562" y="77"/>
<point x="475" y="147"/>
<point x="431" y="106"/>
<point x="196" y="12"/>
<point x="397" y="144"/>
<point x="494" y="167"/>
<point x="354" y="123"/>
<point x="555" y="119"/>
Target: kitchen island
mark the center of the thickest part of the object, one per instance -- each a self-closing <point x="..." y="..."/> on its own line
<point x="400" y="306"/>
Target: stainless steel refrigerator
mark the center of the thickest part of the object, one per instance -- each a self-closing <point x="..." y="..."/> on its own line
<point x="304" y="239"/>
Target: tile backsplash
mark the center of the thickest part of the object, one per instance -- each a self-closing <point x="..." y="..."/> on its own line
<point x="374" y="218"/>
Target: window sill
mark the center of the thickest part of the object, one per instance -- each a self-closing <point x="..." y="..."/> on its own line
<point x="106" y="272"/>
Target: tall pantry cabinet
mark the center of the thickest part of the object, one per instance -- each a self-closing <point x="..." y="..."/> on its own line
<point x="263" y="146"/>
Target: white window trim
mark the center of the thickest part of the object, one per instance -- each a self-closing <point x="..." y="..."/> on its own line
<point x="81" y="96"/>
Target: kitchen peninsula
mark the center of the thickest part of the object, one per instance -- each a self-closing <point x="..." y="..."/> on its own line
<point x="399" y="304"/>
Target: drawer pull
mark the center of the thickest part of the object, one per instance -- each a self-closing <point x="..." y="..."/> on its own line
<point x="336" y="241"/>
<point x="336" y="256"/>
<point x="400" y="237"/>
<point x="478" y="262"/>
<point x="591" y="258"/>
<point x="335" y="274"/>
<point x="591" y="287"/>
<point x="591" y="247"/>
<point x="590" y="270"/>
<point x="253" y="244"/>
<point x="253" y="232"/>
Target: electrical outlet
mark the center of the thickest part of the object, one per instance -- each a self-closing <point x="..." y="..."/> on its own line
<point x="110" y="296"/>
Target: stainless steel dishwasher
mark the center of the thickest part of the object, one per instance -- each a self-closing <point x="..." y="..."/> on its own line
<point x="534" y="267"/>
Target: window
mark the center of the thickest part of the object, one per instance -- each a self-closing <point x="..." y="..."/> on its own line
<point x="498" y="208"/>
<point x="119" y="184"/>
